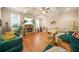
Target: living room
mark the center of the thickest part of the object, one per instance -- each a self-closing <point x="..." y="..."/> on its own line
<point x="39" y="29"/>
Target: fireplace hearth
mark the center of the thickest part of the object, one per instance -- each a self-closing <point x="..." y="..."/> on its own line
<point x="28" y="28"/>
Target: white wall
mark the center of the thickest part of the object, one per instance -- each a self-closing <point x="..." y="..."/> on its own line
<point x="0" y="12"/>
<point x="66" y="21"/>
<point x="78" y="19"/>
<point x="63" y="21"/>
<point x="6" y="15"/>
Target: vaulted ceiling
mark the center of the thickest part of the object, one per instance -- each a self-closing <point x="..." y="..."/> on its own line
<point x="52" y="13"/>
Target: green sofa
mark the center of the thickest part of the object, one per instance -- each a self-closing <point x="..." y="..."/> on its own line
<point x="12" y="45"/>
<point x="74" y="42"/>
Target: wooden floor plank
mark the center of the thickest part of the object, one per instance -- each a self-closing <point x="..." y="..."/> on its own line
<point x="35" y="42"/>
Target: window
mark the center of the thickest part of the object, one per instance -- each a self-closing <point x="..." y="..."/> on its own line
<point x="15" y="20"/>
<point x="37" y="23"/>
<point x="28" y="20"/>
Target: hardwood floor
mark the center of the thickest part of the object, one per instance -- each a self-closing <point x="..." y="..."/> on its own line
<point x="35" y="42"/>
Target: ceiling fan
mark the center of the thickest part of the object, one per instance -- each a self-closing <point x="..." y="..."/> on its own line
<point x="53" y="22"/>
<point x="45" y="9"/>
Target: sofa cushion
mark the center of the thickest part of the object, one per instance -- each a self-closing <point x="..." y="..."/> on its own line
<point x="74" y="44"/>
<point x="65" y="37"/>
<point x="17" y="48"/>
<point x="5" y="45"/>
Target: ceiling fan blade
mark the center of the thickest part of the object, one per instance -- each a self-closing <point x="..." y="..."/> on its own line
<point x="43" y="8"/>
<point x="47" y="8"/>
<point x="53" y="22"/>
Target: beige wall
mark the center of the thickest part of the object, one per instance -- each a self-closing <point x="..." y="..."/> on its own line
<point x="0" y="12"/>
<point x="78" y="19"/>
<point x="66" y="20"/>
<point x="6" y="15"/>
<point x="63" y="21"/>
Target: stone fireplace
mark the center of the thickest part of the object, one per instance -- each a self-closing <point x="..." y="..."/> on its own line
<point x="28" y="28"/>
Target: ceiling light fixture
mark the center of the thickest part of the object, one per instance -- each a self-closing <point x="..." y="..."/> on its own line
<point x="45" y="10"/>
<point x="68" y="9"/>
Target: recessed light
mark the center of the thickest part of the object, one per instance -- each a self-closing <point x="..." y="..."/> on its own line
<point x="43" y="12"/>
<point x="68" y="9"/>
